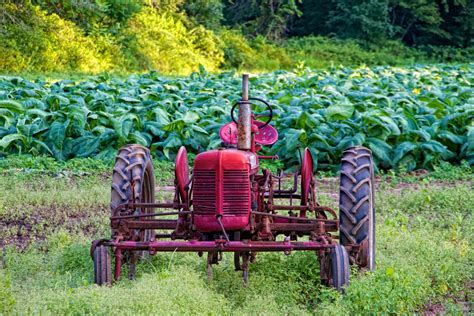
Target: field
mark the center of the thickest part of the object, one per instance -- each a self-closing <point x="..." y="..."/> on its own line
<point x="52" y="210"/>
<point x="409" y="117"/>
<point x="57" y="140"/>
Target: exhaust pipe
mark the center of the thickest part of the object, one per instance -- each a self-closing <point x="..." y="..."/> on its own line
<point x="244" y="121"/>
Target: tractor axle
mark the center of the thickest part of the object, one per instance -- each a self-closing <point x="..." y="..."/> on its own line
<point x="219" y="245"/>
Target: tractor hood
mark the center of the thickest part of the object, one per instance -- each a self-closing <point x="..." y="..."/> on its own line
<point x="221" y="187"/>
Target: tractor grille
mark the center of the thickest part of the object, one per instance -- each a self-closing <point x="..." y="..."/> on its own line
<point x="235" y="195"/>
<point x="236" y="192"/>
<point x="204" y="191"/>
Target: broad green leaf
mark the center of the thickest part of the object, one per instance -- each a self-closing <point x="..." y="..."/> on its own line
<point x="129" y="99"/>
<point x="434" y="146"/>
<point x="401" y="150"/>
<point x="173" y="141"/>
<point x="339" y="111"/>
<point x="85" y="146"/>
<point x="57" y="133"/>
<point x="7" y="140"/>
<point x="456" y="139"/>
<point x="12" y="105"/>
<point x="190" y="117"/>
<point x="161" y="116"/>
<point x="381" y="150"/>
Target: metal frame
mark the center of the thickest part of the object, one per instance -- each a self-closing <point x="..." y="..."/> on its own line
<point x="265" y="221"/>
<point x="263" y="228"/>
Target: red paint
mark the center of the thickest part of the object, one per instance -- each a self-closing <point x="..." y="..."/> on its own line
<point x="221" y="245"/>
<point x="221" y="186"/>
<point x="227" y="185"/>
<point x="182" y="173"/>
<point x="306" y="176"/>
<point x="267" y="135"/>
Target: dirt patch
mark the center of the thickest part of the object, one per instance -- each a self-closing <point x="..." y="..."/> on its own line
<point x="27" y="223"/>
<point x="435" y="309"/>
<point x="464" y="301"/>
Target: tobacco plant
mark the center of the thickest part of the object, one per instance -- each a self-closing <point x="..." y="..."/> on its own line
<point x="410" y="117"/>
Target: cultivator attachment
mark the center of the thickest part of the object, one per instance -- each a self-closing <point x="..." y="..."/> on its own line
<point x="228" y="204"/>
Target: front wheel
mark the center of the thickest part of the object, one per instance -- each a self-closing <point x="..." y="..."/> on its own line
<point x="356" y="205"/>
<point x="102" y="266"/>
<point x="335" y="268"/>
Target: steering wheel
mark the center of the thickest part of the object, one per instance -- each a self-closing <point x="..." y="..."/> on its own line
<point x="270" y="116"/>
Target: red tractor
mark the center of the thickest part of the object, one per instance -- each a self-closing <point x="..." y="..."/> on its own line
<point x="228" y="204"/>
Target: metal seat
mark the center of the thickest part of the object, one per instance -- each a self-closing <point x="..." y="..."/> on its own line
<point x="266" y="135"/>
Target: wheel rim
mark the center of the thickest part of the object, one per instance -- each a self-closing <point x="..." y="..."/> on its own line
<point x="146" y="235"/>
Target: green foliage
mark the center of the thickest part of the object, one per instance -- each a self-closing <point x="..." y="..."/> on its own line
<point x="50" y="166"/>
<point x="258" y="54"/>
<point x="320" y="52"/>
<point x="163" y="42"/>
<point x="208" y="13"/>
<point x="238" y="53"/>
<point x="7" y="301"/>
<point x="367" y="20"/>
<point x="166" y="6"/>
<point x="34" y="40"/>
<point x="410" y="117"/>
<point x="175" y="37"/>
<point x="115" y="35"/>
<point x="85" y="14"/>
<point x="265" y="17"/>
<point x="448" y="53"/>
<point x="409" y="15"/>
<point x="415" y="23"/>
<point x="423" y="256"/>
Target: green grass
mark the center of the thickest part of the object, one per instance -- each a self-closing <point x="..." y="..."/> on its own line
<point x="424" y="252"/>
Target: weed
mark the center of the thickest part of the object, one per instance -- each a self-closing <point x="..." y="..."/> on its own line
<point x="424" y="233"/>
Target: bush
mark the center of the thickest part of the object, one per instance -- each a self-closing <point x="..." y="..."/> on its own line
<point x="257" y="54"/>
<point x="174" y="37"/>
<point x="34" y="40"/>
<point x="320" y="52"/>
<point x="162" y="42"/>
<point x="271" y="55"/>
<point x="237" y="51"/>
<point x="449" y="54"/>
<point x="208" y="13"/>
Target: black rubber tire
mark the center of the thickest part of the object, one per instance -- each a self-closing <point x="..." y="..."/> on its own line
<point x="339" y="268"/>
<point x="102" y="266"/>
<point x="356" y="203"/>
<point x="133" y="164"/>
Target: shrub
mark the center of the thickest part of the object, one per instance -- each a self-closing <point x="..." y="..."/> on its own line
<point x="271" y="55"/>
<point x="162" y="42"/>
<point x="208" y="13"/>
<point x="237" y="51"/>
<point x="257" y="54"/>
<point x="34" y="40"/>
<point x="320" y="52"/>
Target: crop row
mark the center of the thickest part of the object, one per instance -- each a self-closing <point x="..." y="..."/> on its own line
<point x="409" y="117"/>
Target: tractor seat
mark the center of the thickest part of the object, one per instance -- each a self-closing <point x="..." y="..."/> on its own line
<point x="267" y="135"/>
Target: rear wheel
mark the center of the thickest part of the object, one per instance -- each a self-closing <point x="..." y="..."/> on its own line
<point x="133" y="180"/>
<point x="356" y="205"/>
<point x="102" y="266"/>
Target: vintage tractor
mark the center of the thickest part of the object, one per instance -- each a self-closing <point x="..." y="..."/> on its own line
<point x="228" y="204"/>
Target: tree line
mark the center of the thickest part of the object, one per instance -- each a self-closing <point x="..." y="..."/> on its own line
<point x="415" y="22"/>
